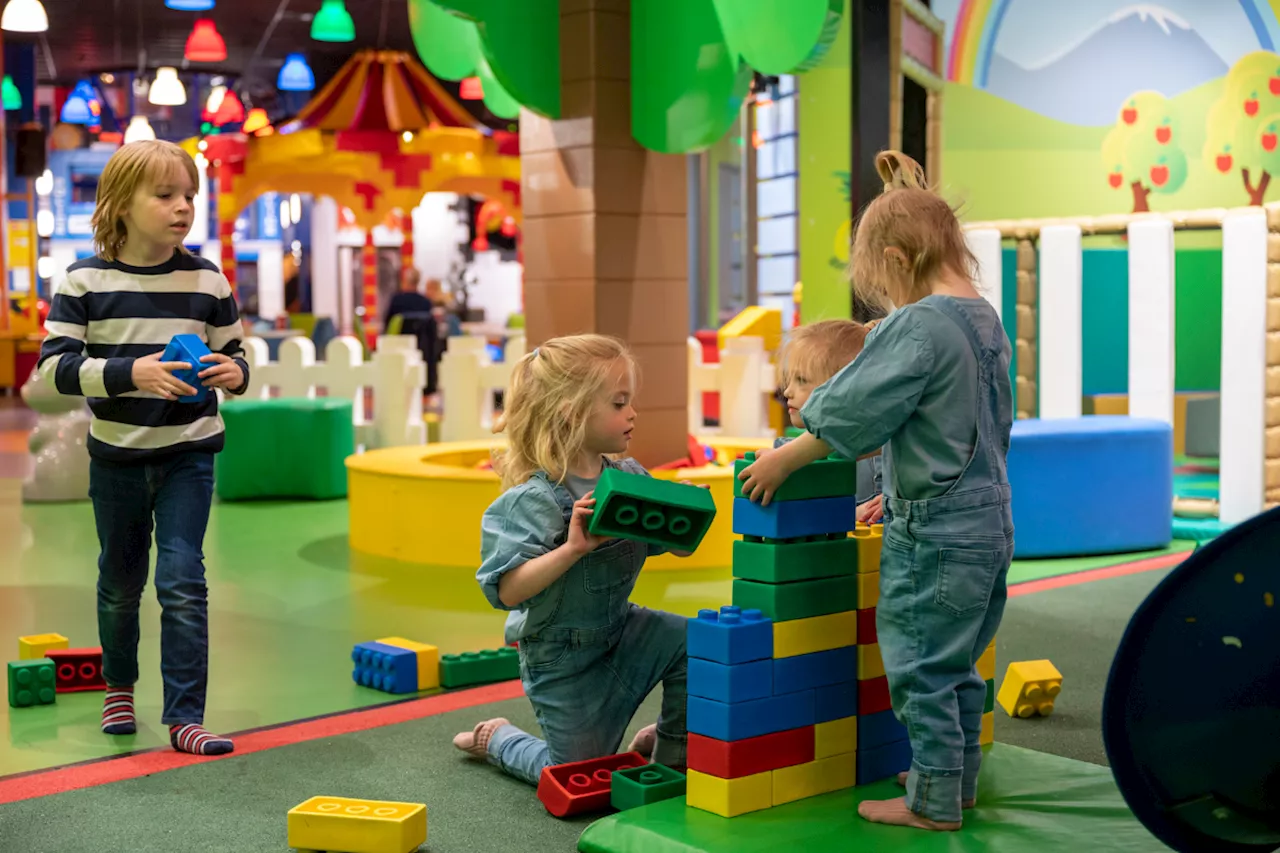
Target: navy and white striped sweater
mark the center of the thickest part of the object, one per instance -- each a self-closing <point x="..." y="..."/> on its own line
<point x="106" y="314"/>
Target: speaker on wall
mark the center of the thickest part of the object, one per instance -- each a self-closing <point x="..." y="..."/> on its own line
<point x="29" y="151"/>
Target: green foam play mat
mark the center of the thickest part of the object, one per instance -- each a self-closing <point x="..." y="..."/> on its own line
<point x="1027" y="800"/>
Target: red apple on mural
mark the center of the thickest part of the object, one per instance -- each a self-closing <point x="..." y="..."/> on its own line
<point x="1268" y="142"/>
<point x="1223" y="163"/>
<point x="1115" y="179"/>
<point x="1159" y="175"/>
<point x="1163" y="134"/>
<point x="1129" y="114"/>
<point x="1251" y="107"/>
<point x="1274" y="85"/>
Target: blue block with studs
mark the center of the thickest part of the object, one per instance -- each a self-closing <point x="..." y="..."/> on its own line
<point x="386" y="668"/>
<point x="731" y="636"/>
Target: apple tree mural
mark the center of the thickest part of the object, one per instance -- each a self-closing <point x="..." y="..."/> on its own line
<point x="1143" y="152"/>
<point x="1243" y="126"/>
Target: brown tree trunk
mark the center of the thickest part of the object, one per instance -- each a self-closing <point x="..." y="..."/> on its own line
<point x="1140" y="194"/>
<point x="1257" y="193"/>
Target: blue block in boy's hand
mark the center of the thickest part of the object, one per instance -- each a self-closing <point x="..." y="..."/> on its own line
<point x="190" y="349"/>
<point x="731" y="636"/>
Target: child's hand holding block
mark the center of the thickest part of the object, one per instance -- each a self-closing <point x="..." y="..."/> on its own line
<point x="633" y="506"/>
<point x="189" y="349"/>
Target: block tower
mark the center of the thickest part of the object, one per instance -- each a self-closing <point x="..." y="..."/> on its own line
<point x="787" y="692"/>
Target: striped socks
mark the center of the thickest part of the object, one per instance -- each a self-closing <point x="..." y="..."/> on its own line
<point x="117" y="712"/>
<point x="192" y="738"/>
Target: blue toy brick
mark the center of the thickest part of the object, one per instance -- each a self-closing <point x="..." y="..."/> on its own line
<point x="191" y="349"/>
<point x="731" y="636"/>
<point x="835" y="702"/>
<point x="386" y="668"/>
<point x="744" y="720"/>
<point x="879" y="730"/>
<point x="794" y="519"/>
<point x="882" y="762"/>
<point x="820" y="669"/>
<point x="741" y="682"/>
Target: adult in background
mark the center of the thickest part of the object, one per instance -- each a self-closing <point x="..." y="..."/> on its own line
<point x="418" y="320"/>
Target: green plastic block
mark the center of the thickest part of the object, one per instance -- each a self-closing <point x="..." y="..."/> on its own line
<point x="633" y="506"/>
<point x="798" y="599"/>
<point x="289" y="447"/>
<point x="991" y="697"/>
<point x="776" y="562"/>
<point x="648" y="783"/>
<point x="793" y="432"/>
<point x="31" y="682"/>
<point x="826" y="478"/>
<point x="479" y="667"/>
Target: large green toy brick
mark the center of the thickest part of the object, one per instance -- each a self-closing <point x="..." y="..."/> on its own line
<point x="31" y="682"/>
<point x="633" y="506"/>
<point x="991" y="697"/>
<point x="479" y="667"/>
<point x="783" y="562"/>
<point x="797" y="599"/>
<point x="826" y="478"/>
<point x="289" y="447"/>
<point x="648" y="783"/>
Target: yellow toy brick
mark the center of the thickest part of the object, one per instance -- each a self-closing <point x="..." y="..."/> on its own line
<point x="813" y="778"/>
<point x="1029" y="688"/>
<point x="870" y="664"/>
<point x="868" y="589"/>
<point x="428" y="660"/>
<point x="869" y="538"/>
<point x="357" y="826"/>
<point x="987" y="663"/>
<point x="729" y="797"/>
<point x="33" y="646"/>
<point x="988" y="733"/>
<point x="815" y="634"/>
<point x="835" y="738"/>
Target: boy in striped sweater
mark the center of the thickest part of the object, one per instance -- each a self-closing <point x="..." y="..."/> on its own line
<point x="151" y="455"/>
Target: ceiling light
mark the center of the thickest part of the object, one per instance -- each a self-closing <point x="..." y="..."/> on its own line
<point x="10" y="94"/>
<point x="333" y="23"/>
<point x="295" y="75"/>
<point x="205" y="43"/>
<point x="471" y="89"/>
<point x="190" y="5"/>
<point x="230" y="111"/>
<point x="167" y="90"/>
<point x="138" y="130"/>
<point x="256" y="120"/>
<point x="24" y="16"/>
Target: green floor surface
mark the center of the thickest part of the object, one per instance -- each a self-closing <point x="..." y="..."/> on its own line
<point x="1027" y="801"/>
<point x="1033" y="570"/>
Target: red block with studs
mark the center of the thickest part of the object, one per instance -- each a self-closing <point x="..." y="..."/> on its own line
<point x="583" y="786"/>
<point x="737" y="758"/>
<point x="873" y="696"/>
<point x="77" y="670"/>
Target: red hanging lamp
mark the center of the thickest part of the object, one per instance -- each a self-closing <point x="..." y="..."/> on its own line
<point x="230" y="111"/>
<point x="471" y="89"/>
<point x="205" y="43"/>
<point x="256" y="120"/>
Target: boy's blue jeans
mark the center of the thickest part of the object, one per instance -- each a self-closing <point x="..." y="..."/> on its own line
<point x="178" y="491"/>
<point x="585" y="686"/>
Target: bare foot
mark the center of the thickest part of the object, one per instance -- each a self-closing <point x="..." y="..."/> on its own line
<point x="964" y="804"/>
<point x="476" y="742"/>
<point x="896" y="813"/>
<point x="644" y="741"/>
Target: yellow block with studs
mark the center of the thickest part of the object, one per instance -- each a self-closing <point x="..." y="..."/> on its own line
<point x="987" y="663"/>
<point x="813" y="778"/>
<point x="729" y="797"/>
<point x="33" y="646"/>
<point x="870" y="664"/>
<point x="868" y="590"/>
<point x="1030" y="688"/>
<point x="988" y="733"/>
<point x="835" y="737"/>
<point x="428" y="660"/>
<point x="357" y="826"/>
<point x="869" y="539"/>
<point x="815" y="634"/>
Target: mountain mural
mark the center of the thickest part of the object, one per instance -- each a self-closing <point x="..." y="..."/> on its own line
<point x="1137" y="48"/>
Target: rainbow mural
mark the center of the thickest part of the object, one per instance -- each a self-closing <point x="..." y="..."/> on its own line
<point x="978" y="23"/>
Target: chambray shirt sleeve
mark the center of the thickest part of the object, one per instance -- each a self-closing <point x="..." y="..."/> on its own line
<point x="523" y="523"/>
<point x="631" y="466"/>
<point x="862" y="406"/>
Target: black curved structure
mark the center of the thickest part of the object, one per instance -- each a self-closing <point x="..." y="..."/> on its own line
<point x="1191" y="717"/>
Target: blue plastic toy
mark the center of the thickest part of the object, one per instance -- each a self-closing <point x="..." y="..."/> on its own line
<point x="820" y="669"/>
<point x="794" y="519"/>
<point x="387" y="668"/>
<point x="835" y="702"/>
<point x="738" y="683"/>
<point x="879" y="730"/>
<point x="743" y="720"/>
<point x="883" y="762"/>
<point x="731" y="636"/>
<point x="190" y="349"/>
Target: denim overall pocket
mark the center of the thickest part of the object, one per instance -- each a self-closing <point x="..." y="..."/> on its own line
<point x="966" y="577"/>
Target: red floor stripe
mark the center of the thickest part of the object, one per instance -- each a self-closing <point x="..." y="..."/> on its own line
<point x="42" y="783"/>
<point x="1164" y="561"/>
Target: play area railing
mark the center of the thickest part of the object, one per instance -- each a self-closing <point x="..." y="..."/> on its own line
<point x="1049" y="283"/>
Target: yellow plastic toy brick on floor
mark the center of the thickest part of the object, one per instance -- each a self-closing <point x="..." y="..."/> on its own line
<point x="729" y="797"/>
<point x="33" y="646"/>
<point x="428" y="660"/>
<point x="815" y="634"/>
<point x="813" y="778"/>
<point x="342" y="825"/>
<point x="1029" y="688"/>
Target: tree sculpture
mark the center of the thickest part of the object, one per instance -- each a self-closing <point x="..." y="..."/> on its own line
<point x="1244" y="123"/>
<point x="1144" y="150"/>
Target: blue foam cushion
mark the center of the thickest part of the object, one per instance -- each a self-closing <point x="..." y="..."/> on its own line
<point x="1093" y="485"/>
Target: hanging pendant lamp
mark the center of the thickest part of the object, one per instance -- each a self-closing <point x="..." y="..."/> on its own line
<point x="295" y="75"/>
<point x="255" y="121"/>
<point x="24" y="16"/>
<point x="205" y="43"/>
<point x="139" y="129"/>
<point x="167" y="90"/>
<point x="333" y="23"/>
<point x="190" y="5"/>
<point x="10" y="94"/>
<point x="230" y="111"/>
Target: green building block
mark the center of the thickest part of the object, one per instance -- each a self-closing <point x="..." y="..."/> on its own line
<point x="793" y="432"/>
<point x="288" y="447"/>
<point x="648" y="783"/>
<point x="660" y="512"/>
<point x="779" y="562"/>
<point x="479" y="667"/>
<point x="782" y="602"/>
<point x="31" y="682"/>
<point x="826" y="478"/>
<point x="991" y="697"/>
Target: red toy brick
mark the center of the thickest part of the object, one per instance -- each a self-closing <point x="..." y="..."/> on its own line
<point x="583" y="786"/>
<point x="873" y="696"/>
<point x="77" y="669"/>
<point x="733" y="759"/>
<point x="867" y="627"/>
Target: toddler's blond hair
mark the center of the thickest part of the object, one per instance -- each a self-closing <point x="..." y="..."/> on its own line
<point x="818" y="351"/>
